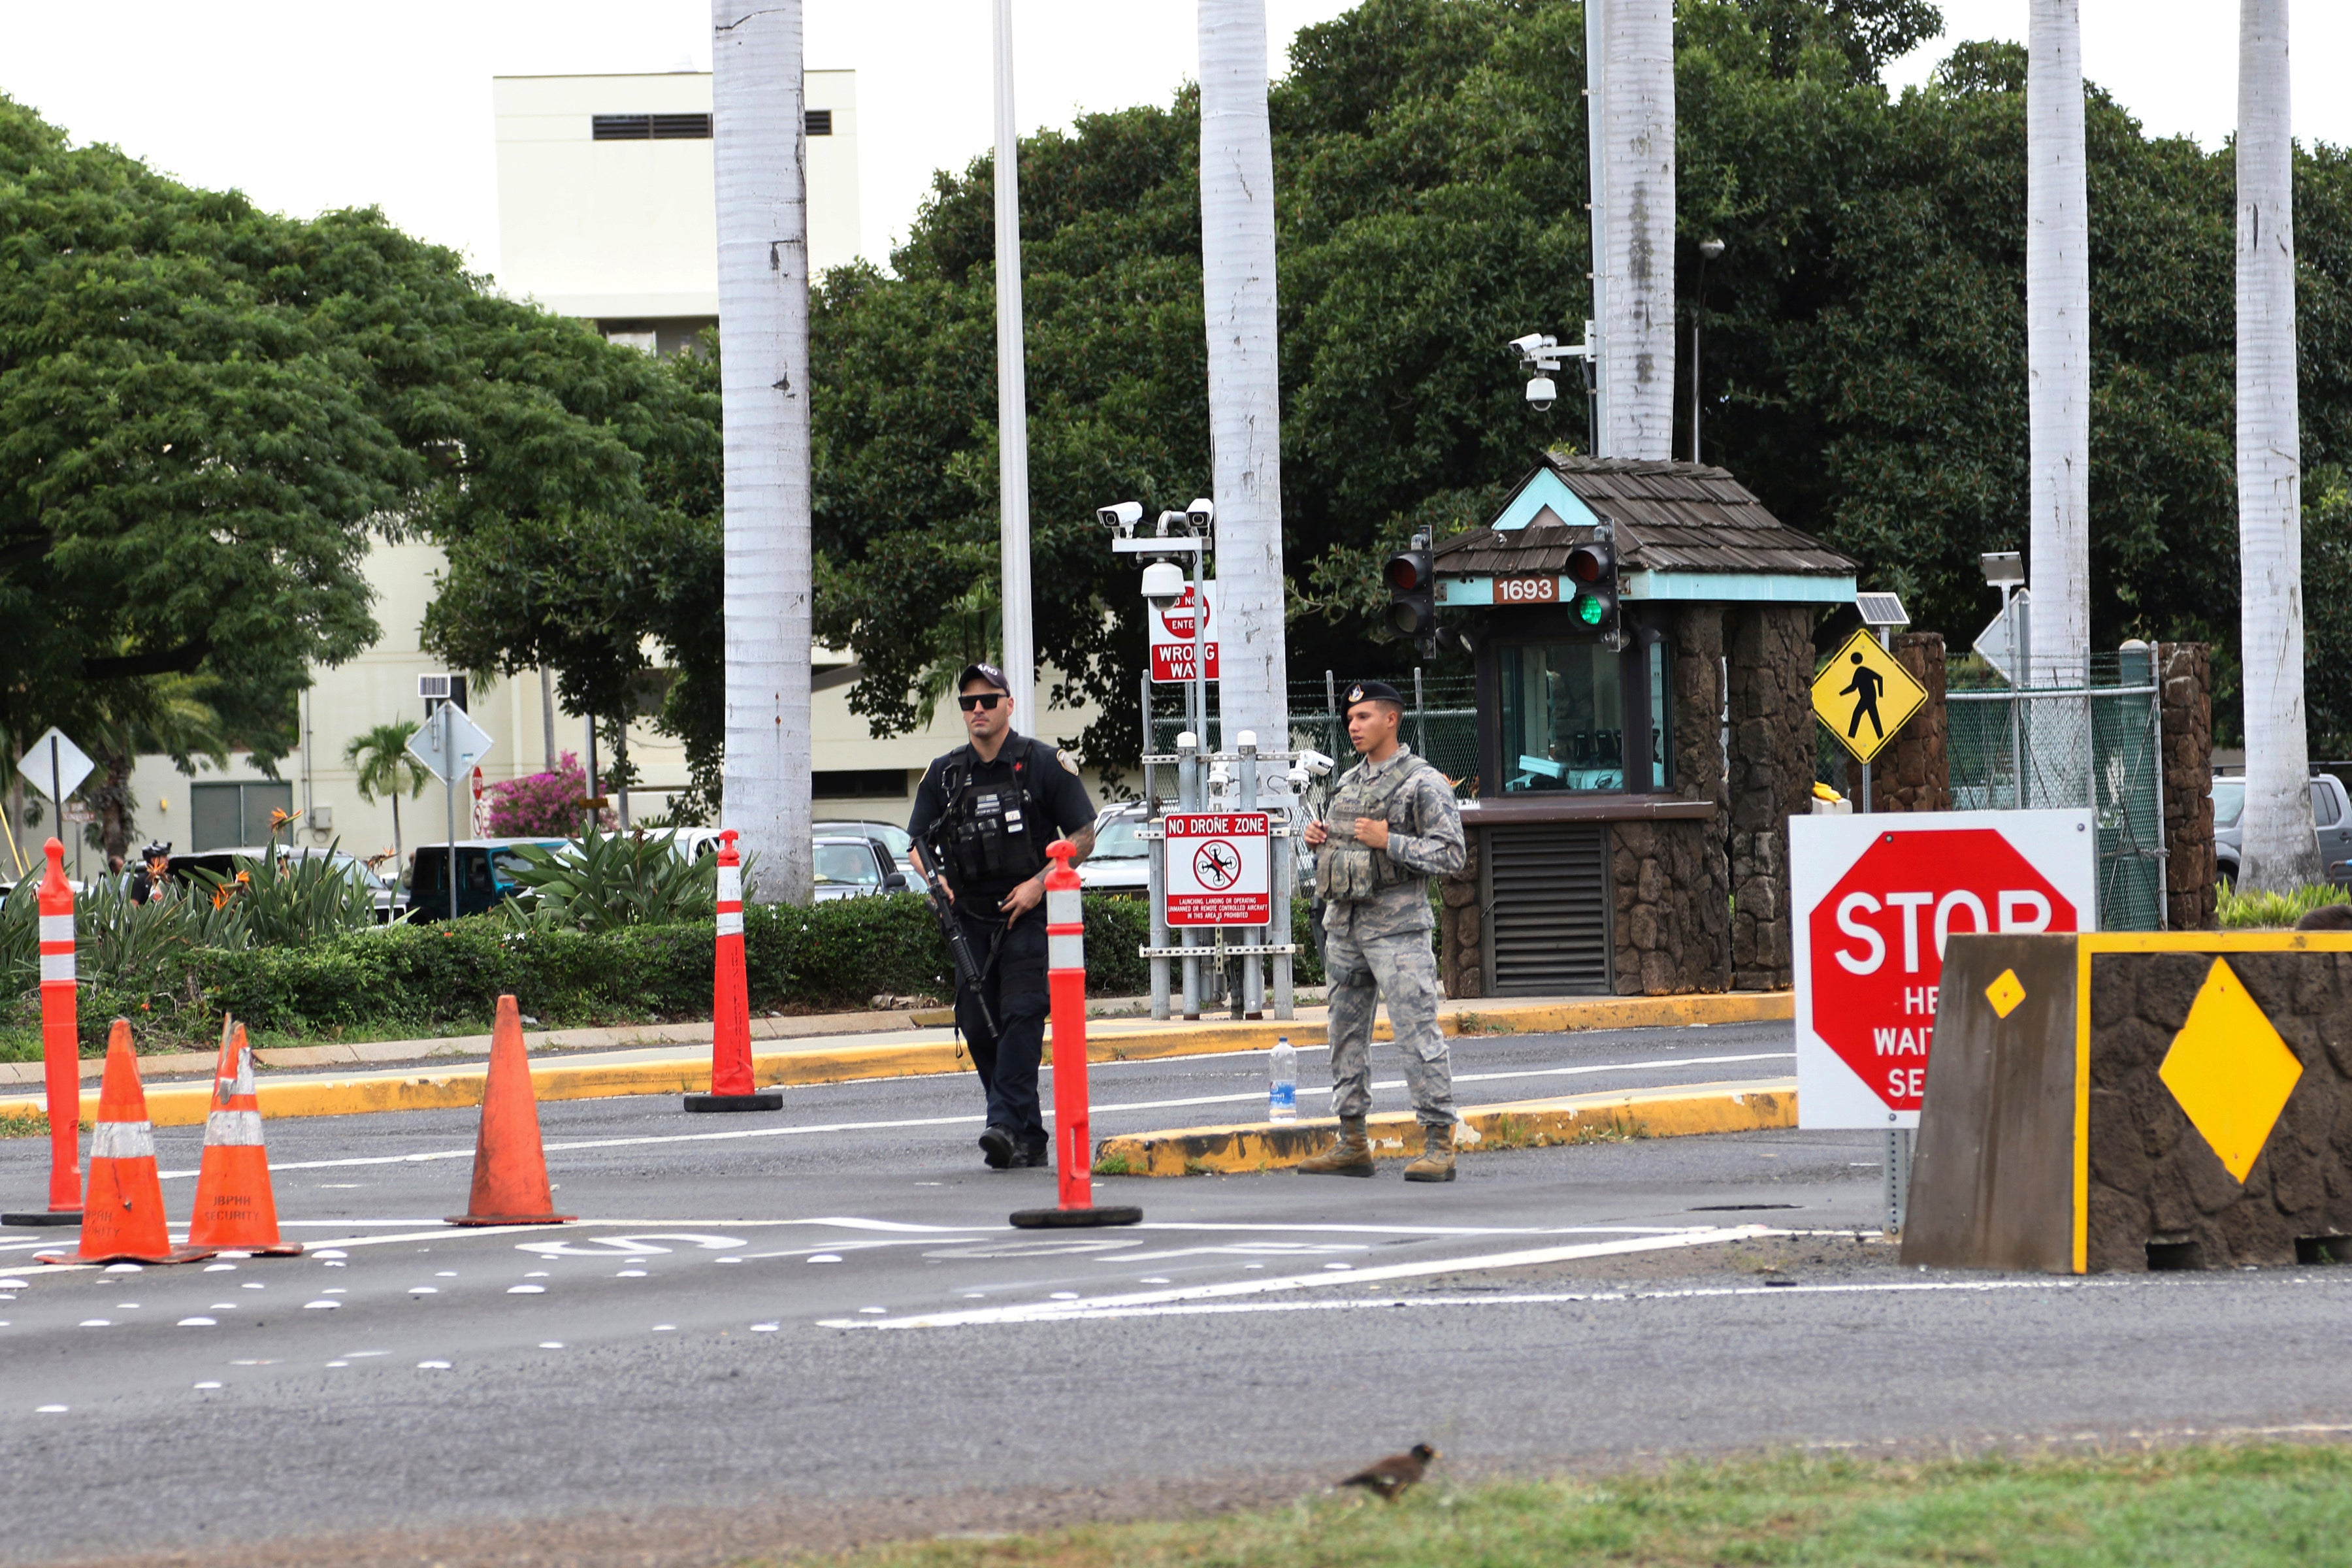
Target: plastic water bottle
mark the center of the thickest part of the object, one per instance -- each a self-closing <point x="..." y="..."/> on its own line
<point x="1282" y="1086"/>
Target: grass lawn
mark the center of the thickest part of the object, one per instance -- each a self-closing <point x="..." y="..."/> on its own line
<point x="2212" y="1505"/>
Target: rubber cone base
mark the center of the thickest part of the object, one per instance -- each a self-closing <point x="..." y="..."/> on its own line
<point x="46" y="1217"/>
<point x="177" y="1255"/>
<point x="510" y="1219"/>
<point x="760" y="1100"/>
<point x="1072" y="1219"/>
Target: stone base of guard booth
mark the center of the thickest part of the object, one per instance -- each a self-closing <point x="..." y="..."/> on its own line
<point x="2128" y="1102"/>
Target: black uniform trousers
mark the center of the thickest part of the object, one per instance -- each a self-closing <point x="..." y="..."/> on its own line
<point x="1015" y="985"/>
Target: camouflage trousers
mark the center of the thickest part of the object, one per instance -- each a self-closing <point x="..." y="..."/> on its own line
<point x="1397" y="968"/>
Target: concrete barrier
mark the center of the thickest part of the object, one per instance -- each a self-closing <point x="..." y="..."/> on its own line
<point x="2129" y="1101"/>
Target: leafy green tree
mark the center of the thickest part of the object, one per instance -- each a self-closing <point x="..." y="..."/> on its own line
<point x="386" y="771"/>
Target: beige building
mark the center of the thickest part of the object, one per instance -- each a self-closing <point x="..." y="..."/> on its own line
<point x="606" y="213"/>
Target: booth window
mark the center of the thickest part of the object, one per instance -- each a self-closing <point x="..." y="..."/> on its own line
<point x="1564" y="717"/>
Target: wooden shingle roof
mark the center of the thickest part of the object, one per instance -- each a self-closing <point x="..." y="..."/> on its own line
<point x="1670" y="517"/>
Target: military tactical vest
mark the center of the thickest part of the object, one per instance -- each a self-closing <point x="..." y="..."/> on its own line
<point x="1350" y="871"/>
<point x="991" y="827"/>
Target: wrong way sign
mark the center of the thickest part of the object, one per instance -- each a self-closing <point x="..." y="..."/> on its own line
<point x="1874" y="901"/>
<point x="1172" y="638"/>
<point x="1220" y="871"/>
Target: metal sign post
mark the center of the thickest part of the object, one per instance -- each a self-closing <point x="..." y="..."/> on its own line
<point x="450" y="746"/>
<point x="66" y="766"/>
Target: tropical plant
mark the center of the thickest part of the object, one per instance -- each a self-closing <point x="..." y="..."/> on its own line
<point x="289" y="896"/>
<point x="541" y="804"/>
<point x="140" y="950"/>
<point x="2237" y="909"/>
<point x="386" y="770"/>
<point x="763" y="306"/>
<point x="2281" y="847"/>
<point x="607" y="880"/>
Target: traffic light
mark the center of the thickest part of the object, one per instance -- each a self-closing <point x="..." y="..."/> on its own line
<point x="1594" y="568"/>
<point x="1412" y="576"/>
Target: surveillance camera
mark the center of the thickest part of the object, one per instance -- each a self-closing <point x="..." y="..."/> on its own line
<point x="1123" y="517"/>
<point x="1202" y="511"/>
<point x="1315" y="762"/>
<point x="1296" y="778"/>
<point x="1163" y="582"/>
<point x="1542" y="394"/>
<point x="1528" y="345"/>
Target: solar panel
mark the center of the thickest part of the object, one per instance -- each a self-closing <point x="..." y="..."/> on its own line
<point x="1881" y="610"/>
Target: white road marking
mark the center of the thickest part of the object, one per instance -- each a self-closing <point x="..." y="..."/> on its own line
<point x="738" y="1134"/>
<point x="1046" y="1312"/>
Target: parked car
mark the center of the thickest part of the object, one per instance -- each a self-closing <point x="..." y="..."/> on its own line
<point x="485" y="876"/>
<point x="2331" y="813"/>
<point x="854" y="867"/>
<point x="1121" y="862"/>
<point x="894" y="840"/>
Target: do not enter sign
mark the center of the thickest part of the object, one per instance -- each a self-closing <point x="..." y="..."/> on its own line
<point x="1874" y="899"/>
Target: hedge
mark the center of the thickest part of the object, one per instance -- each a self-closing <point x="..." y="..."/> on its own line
<point x="834" y="955"/>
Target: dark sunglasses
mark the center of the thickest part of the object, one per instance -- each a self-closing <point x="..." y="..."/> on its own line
<point x="979" y="700"/>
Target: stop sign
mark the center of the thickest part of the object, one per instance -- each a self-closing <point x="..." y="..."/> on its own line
<point x="1875" y="899"/>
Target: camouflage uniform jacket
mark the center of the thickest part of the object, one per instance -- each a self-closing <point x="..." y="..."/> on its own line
<point x="1424" y="836"/>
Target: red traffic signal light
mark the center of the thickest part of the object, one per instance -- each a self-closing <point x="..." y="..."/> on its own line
<point x="1411" y="577"/>
<point x="1591" y="563"/>
<point x="1407" y="573"/>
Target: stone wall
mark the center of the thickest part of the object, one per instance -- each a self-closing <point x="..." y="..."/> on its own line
<point x="1462" y="929"/>
<point x="2155" y="1178"/>
<point x="2185" y="671"/>
<point x="1915" y="773"/>
<point x="1672" y="880"/>
<point x="1771" y="652"/>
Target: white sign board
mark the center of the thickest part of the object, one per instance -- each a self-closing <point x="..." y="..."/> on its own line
<point x="1219" y="872"/>
<point x="449" y="744"/>
<point x="2000" y="643"/>
<point x="1172" y="638"/>
<point x="55" y="763"/>
<point x="1872" y="900"/>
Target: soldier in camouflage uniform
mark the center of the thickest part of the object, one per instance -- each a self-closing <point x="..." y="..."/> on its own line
<point x="1391" y="826"/>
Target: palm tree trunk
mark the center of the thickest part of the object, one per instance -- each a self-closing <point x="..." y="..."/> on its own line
<point x="399" y="858"/>
<point x="2058" y="343"/>
<point x="763" y="327"/>
<point x="2280" y="848"/>
<point x="1237" y="287"/>
<point x="1638" y="159"/>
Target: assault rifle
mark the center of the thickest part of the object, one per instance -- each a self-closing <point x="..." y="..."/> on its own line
<point x="967" y="965"/>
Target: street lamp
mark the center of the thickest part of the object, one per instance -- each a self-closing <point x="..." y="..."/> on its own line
<point x="1709" y="249"/>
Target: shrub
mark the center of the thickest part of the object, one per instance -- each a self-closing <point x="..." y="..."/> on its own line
<point x="2239" y="910"/>
<point x="608" y="881"/>
<point x="541" y="805"/>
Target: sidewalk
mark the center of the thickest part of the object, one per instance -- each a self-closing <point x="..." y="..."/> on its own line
<point x="676" y="1057"/>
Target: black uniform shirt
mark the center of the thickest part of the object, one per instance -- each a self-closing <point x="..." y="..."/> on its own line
<point x="1055" y="799"/>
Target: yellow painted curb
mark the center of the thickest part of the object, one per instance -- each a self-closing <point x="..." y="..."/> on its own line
<point x="1675" y="1112"/>
<point x="186" y="1104"/>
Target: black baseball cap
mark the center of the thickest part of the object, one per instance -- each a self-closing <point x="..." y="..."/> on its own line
<point x="984" y="672"/>
<point x="1370" y="691"/>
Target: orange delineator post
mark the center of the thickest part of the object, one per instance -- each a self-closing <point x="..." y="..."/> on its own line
<point x="510" y="1185"/>
<point x="235" y="1207"/>
<point x="1065" y="979"/>
<point x="732" y="1084"/>
<point x="124" y="1221"/>
<point x="60" y="1048"/>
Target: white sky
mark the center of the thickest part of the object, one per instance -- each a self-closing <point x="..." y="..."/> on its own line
<point x="307" y="107"/>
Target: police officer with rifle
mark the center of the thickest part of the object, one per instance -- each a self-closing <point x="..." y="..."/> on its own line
<point x="983" y="816"/>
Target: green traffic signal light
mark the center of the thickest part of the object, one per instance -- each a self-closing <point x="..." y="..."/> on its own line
<point x="1589" y="610"/>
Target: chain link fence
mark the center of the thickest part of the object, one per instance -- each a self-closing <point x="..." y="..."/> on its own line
<point x="2095" y="745"/>
<point x="1441" y="720"/>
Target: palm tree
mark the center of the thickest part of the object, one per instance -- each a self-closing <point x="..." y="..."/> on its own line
<point x="1637" y="156"/>
<point x="1237" y="286"/>
<point x="386" y="771"/>
<point x="2280" y="848"/>
<point x="166" y="713"/>
<point x="2058" y="342"/>
<point x="763" y="334"/>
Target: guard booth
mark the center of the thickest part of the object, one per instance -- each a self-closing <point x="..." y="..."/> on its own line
<point x="1628" y="835"/>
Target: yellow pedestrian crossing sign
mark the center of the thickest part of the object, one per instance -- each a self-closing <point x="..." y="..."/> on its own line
<point x="1864" y="696"/>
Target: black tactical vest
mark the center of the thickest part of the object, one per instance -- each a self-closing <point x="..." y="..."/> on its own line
<point x="991" y="827"/>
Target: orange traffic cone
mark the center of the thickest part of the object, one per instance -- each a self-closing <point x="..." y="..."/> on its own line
<point x="509" y="1167"/>
<point x="123" y="1216"/>
<point x="235" y="1209"/>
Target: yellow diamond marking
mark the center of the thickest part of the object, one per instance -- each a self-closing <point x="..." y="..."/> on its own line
<point x="2230" y="1070"/>
<point x="2005" y="993"/>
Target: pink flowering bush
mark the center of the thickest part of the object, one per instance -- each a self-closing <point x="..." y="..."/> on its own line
<point x="541" y="804"/>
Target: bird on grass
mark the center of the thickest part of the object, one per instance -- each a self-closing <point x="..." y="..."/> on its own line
<point x="1392" y="1475"/>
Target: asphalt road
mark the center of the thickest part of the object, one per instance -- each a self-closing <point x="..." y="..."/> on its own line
<point x="816" y="1327"/>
